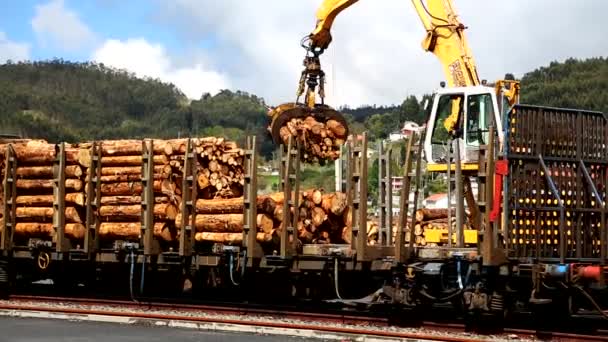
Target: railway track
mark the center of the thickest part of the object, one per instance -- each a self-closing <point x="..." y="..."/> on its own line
<point x="268" y="321"/>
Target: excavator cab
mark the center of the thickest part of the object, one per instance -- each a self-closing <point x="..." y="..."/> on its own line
<point x="476" y="108"/>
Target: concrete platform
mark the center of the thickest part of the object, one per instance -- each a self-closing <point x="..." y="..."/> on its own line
<point x="54" y="330"/>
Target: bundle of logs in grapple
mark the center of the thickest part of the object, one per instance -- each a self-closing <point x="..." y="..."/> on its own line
<point x="318" y="141"/>
<point x="321" y="218"/>
<point x="34" y="189"/>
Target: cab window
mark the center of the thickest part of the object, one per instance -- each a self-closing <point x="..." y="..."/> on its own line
<point x="480" y="112"/>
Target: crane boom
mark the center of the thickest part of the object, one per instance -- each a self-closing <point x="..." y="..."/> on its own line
<point x="446" y="39"/>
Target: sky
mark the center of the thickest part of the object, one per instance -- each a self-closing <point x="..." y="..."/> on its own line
<point x="203" y="46"/>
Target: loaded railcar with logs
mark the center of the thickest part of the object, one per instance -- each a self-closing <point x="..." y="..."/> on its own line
<point x="186" y="214"/>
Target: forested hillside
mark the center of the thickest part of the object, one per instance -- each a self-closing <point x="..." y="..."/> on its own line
<point x="59" y="100"/>
<point x="573" y="83"/>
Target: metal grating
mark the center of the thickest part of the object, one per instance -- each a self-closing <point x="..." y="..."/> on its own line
<point x="557" y="184"/>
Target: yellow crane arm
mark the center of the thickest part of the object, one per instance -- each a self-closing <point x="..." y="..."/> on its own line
<point x="320" y="38"/>
<point x="446" y="39"/>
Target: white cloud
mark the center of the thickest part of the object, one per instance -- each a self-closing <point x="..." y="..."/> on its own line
<point x="145" y="59"/>
<point x="376" y="55"/>
<point x="12" y="50"/>
<point x="55" y="24"/>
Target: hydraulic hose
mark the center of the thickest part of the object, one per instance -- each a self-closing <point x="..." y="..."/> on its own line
<point x="336" y="265"/>
<point x="143" y="273"/>
<point x="593" y="302"/>
<point x="231" y="266"/>
<point x="131" y="277"/>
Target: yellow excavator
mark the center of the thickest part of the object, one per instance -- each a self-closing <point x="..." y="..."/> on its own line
<point x="463" y="110"/>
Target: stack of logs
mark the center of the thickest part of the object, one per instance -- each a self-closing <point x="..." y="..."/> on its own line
<point x="34" y="186"/>
<point x="322" y="218"/>
<point x="319" y="141"/>
<point x="121" y="189"/>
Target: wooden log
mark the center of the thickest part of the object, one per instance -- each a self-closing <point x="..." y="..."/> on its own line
<point x="265" y="223"/>
<point x="135" y="188"/>
<point x="47" y="200"/>
<point x="132" y="160"/>
<point x="220" y="223"/>
<point x="334" y="202"/>
<point x="220" y="206"/>
<point x="318" y="216"/>
<point x="126" y="200"/>
<point x="128" y="178"/>
<point x="230" y="238"/>
<point x="226" y="223"/>
<point x="426" y="214"/>
<point x="45" y="213"/>
<point x="336" y="128"/>
<point x="73" y="171"/>
<point x="133" y="147"/>
<point x="134" y="170"/>
<point x="73" y="231"/>
<point x="202" y="180"/>
<point x="30" y="184"/>
<point x="132" y="231"/>
<point x="162" y="211"/>
<point x="35" y="152"/>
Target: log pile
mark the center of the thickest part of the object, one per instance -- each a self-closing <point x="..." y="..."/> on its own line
<point x="121" y="190"/>
<point x="34" y="186"/>
<point x="219" y="163"/>
<point x="424" y="220"/>
<point x="319" y="141"/>
<point x="322" y="218"/>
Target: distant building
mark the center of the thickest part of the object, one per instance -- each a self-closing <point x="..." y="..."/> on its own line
<point x="436" y="201"/>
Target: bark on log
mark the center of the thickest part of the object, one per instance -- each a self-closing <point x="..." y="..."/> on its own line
<point x="427" y="214"/>
<point x="220" y="223"/>
<point x="334" y="202"/>
<point x="225" y="223"/>
<point x="42" y="172"/>
<point x="133" y="147"/>
<point x="318" y="216"/>
<point x="126" y="200"/>
<point x="132" y="231"/>
<point x="45" y="213"/>
<point x="74" y="231"/>
<point x="135" y="188"/>
<point x="47" y="200"/>
<point x="73" y="184"/>
<point x="134" y="170"/>
<point x="35" y="152"/>
<point x="163" y="211"/>
<point x="264" y="223"/>
<point x="132" y="160"/>
<point x="230" y="238"/>
<point x="235" y="205"/>
<point x="128" y="178"/>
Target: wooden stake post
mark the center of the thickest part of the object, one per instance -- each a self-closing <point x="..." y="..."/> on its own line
<point x="190" y="174"/>
<point x="10" y="191"/>
<point x="62" y="244"/>
<point x="289" y="185"/>
<point x="357" y="194"/>
<point x="150" y="245"/>
<point x="251" y="246"/>
<point x="93" y="201"/>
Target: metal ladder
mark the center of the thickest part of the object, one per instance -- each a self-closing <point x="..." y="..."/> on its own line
<point x="385" y="195"/>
